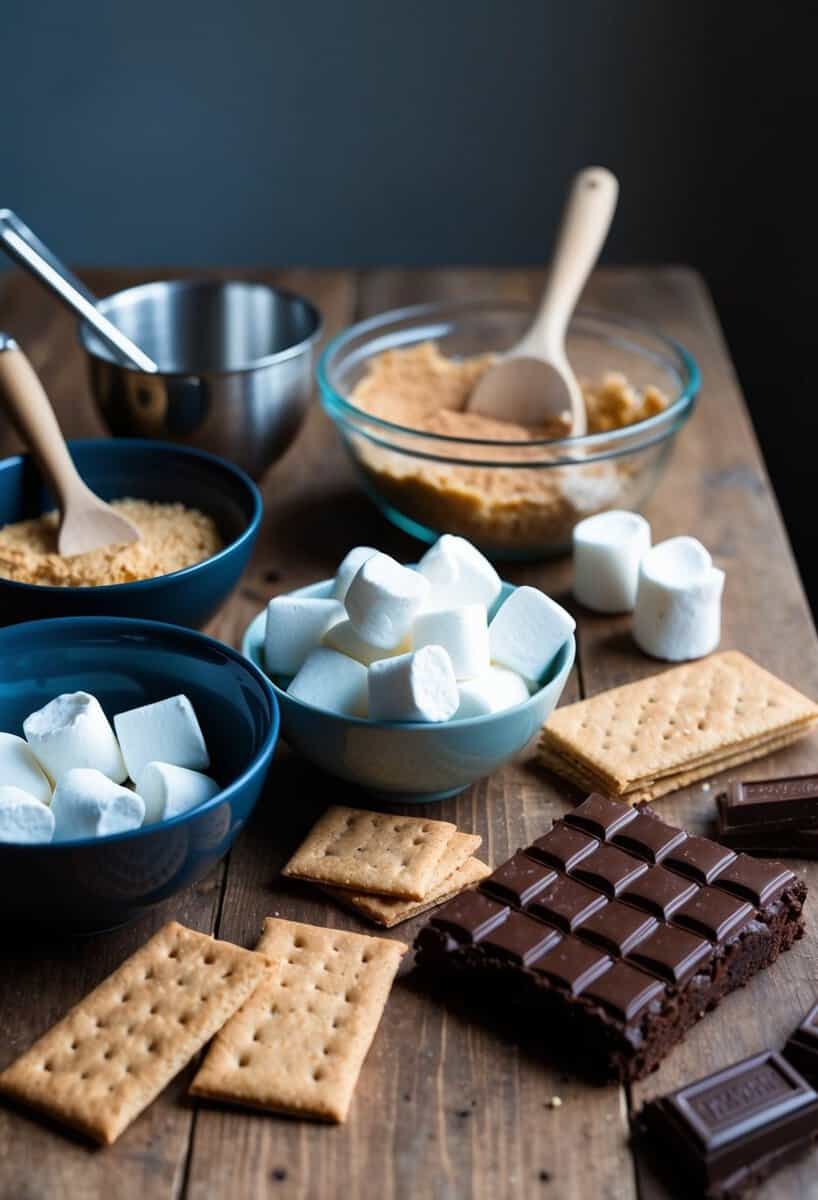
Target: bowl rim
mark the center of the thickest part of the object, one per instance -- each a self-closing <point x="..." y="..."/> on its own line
<point x="84" y="331"/>
<point x="213" y="460"/>
<point x="672" y="416"/>
<point x="564" y="658"/>
<point x="135" y="624"/>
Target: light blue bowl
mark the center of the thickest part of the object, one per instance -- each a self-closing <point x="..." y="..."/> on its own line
<point x="409" y="762"/>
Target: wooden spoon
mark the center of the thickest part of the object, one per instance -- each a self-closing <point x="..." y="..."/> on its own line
<point x="86" y="522"/>
<point x="533" y="383"/>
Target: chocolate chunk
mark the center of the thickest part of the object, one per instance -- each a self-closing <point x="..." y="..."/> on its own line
<point x="780" y="843"/>
<point x="519" y="880"/>
<point x="672" y="954"/>
<point x="563" y="847"/>
<point x="470" y="916"/>
<point x="699" y="859"/>
<point x="520" y="939"/>
<point x="617" y="928"/>
<point x="771" y="802"/>
<point x="659" y="892"/>
<point x="649" y="837"/>
<point x="609" y="869"/>
<point x="714" y="914"/>
<point x="600" y="816"/>
<point x="625" y="991"/>
<point x="758" y="882"/>
<point x="566" y="904"/>
<point x="731" y="1129"/>
<point x="572" y="964"/>
<point x="802" y="1046"/>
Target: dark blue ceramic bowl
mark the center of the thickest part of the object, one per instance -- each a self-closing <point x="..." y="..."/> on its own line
<point x="119" y="467"/>
<point x="96" y="883"/>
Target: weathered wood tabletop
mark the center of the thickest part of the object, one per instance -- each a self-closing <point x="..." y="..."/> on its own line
<point x="445" y="1107"/>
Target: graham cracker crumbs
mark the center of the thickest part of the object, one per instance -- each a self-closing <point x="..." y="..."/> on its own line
<point x="171" y="537"/>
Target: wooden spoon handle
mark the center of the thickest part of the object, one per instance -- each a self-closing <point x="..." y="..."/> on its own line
<point x="29" y="408"/>
<point x="586" y="220"/>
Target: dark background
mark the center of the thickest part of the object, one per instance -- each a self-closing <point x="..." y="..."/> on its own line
<point x="441" y="131"/>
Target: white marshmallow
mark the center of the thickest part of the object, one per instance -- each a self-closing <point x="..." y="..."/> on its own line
<point x="458" y="574"/>
<point x="608" y="549"/>
<point x="332" y="681"/>
<point x="349" y="568"/>
<point x="383" y="600"/>
<point x="343" y="638"/>
<point x="19" y="768"/>
<point x="527" y="632"/>
<point x="678" y="604"/>
<point x="87" y="804"/>
<point x="295" y="626"/>
<point x="167" y="731"/>
<point x="462" y="632"/>
<point x="24" y="818"/>
<point x="168" y="790"/>
<point x="497" y="689"/>
<point x="73" y="731"/>
<point x="419" y="686"/>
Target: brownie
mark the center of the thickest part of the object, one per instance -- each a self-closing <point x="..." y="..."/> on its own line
<point x="615" y="930"/>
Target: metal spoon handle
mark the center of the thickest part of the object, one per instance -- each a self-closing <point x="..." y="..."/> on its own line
<point x="26" y="248"/>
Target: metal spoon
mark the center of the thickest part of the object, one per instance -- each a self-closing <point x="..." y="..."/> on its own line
<point x="26" y="249"/>
<point x="533" y="383"/>
<point x="86" y="522"/>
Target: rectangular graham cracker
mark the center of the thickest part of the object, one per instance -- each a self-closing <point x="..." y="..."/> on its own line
<point x="114" y="1052"/>
<point x="298" y="1044"/>
<point x="457" y="870"/>
<point x="372" y="852"/>
<point x="660" y="733"/>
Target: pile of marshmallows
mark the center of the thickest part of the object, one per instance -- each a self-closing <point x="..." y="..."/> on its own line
<point x="65" y="779"/>
<point x="672" y="589"/>
<point x="401" y="644"/>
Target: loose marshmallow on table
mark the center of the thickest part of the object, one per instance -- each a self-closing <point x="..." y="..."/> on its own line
<point x="331" y="681"/>
<point x="19" y="768"/>
<point x="462" y="632"/>
<point x="295" y="626"/>
<point x="678" y="603"/>
<point x="383" y="600"/>
<point x="349" y="569"/>
<point x="458" y="574"/>
<point x="168" y="790"/>
<point x="419" y="686"/>
<point x="608" y="549"/>
<point x="23" y="818"/>
<point x="492" y="692"/>
<point x="73" y="731"/>
<point x="87" y="804"/>
<point x="527" y="632"/>
<point x="167" y="731"/>
<point x="343" y="638"/>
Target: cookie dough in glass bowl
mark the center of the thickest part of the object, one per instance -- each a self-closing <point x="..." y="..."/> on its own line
<point x="396" y="387"/>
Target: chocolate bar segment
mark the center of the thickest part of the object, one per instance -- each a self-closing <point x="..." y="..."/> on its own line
<point x="778" y="843"/>
<point x="648" y="837"/>
<point x="771" y="802"/>
<point x="520" y="879"/>
<point x="802" y="1046"/>
<point x="699" y="858"/>
<point x="732" y="1129"/>
<point x="600" y="816"/>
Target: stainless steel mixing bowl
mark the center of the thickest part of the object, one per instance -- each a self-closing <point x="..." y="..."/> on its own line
<point x="235" y="366"/>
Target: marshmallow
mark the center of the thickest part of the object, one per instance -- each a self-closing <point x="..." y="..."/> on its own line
<point x="343" y="638"/>
<point x="24" y="818"/>
<point x="349" y="569"/>
<point x="527" y="632"/>
<point x="87" y="804"/>
<point x="295" y="626"/>
<point x="166" y="731"/>
<point x="168" y="790"/>
<point x="73" y="731"/>
<point x="19" y="768"/>
<point x="462" y="632"/>
<point x="419" y="686"/>
<point x="332" y="681"/>
<point x="458" y="574"/>
<point x="497" y="689"/>
<point x="678" y="603"/>
<point x="383" y="600"/>
<point x="608" y="549"/>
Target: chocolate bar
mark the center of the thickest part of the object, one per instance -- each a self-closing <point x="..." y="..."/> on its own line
<point x="792" y="843"/>
<point x="802" y="1047"/>
<point x="770" y="803"/>
<point x="726" y="1133"/>
<point x="618" y="929"/>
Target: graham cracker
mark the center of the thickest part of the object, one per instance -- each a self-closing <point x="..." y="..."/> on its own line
<point x="372" y="852"/>
<point x="298" y="1044"/>
<point x="724" y="709"/>
<point x="112" y="1054"/>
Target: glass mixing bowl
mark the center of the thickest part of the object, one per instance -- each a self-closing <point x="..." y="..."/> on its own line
<point x="513" y="499"/>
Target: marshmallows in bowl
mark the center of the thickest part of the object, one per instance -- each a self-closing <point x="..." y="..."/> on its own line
<point x="417" y="644"/>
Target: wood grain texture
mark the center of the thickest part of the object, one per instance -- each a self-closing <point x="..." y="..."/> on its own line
<point x="448" y="1105"/>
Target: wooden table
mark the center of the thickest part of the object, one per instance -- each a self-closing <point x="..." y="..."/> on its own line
<point x="444" y="1107"/>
